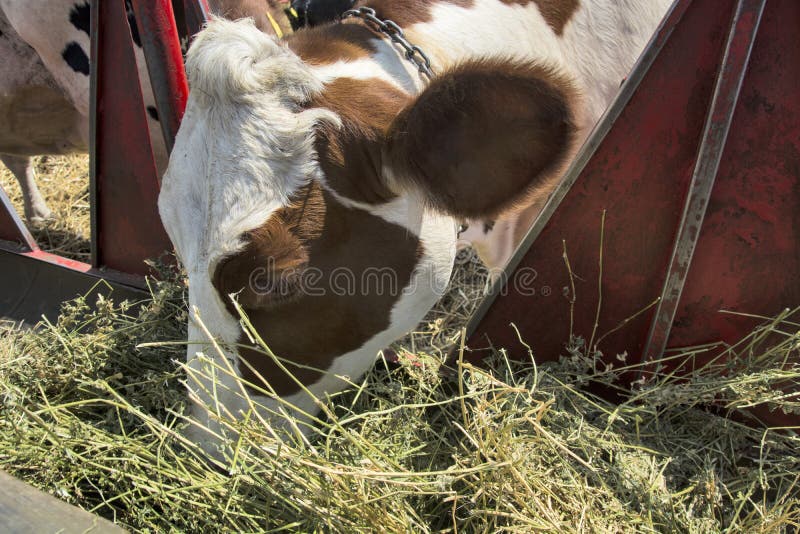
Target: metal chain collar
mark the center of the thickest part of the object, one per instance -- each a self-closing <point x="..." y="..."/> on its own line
<point x="413" y="53"/>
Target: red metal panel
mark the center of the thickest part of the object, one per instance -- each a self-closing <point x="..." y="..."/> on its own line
<point x="748" y="253"/>
<point x="126" y="227"/>
<point x="726" y="95"/>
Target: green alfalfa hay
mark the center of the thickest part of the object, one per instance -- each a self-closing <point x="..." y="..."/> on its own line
<point x="92" y="411"/>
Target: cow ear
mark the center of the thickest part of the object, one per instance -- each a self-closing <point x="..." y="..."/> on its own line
<point x="483" y="135"/>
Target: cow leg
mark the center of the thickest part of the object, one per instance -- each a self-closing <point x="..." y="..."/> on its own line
<point x="36" y="209"/>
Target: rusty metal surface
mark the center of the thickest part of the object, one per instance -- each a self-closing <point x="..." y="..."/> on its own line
<point x="748" y="253"/>
<point x="726" y="95"/>
<point x="618" y="217"/>
<point x="126" y="228"/>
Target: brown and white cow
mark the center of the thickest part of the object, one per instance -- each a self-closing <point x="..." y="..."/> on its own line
<point x="44" y="82"/>
<point x="322" y="181"/>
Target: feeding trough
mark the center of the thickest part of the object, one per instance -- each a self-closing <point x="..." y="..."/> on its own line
<point x="677" y="224"/>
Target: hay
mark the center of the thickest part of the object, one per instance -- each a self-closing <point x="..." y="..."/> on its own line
<point x="439" y="332"/>
<point x="64" y="183"/>
<point x="92" y="413"/>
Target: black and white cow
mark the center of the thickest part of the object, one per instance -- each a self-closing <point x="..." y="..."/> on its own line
<point x="44" y="88"/>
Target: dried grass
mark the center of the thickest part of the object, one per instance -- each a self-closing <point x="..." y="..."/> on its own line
<point x="64" y="183"/>
<point x="92" y="408"/>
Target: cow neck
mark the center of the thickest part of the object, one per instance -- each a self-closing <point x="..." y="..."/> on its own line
<point x="391" y="30"/>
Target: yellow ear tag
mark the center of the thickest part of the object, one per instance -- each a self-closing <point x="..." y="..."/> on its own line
<point x="275" y="26"/>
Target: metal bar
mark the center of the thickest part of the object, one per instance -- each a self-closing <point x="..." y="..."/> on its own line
<point x="741" y="38"/>
<point x="94" y="47"/>
<point x="162" y="51"/>
<point x="11" y="226"/>
<point x="55" y="259"/>
<point x="94" y="38"/>
<point x="132" y="280"/>
<point x="593" y="141"/>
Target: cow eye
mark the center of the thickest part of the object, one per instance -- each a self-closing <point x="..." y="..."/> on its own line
<point x="258" y="283"/>
<point x="268" y="287"/>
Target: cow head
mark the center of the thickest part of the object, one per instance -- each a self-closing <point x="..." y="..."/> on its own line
<point x="328" y="206"/>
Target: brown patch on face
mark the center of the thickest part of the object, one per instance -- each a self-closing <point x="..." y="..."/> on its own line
<point x="279" y="247"/>
<point x="484" y="135"/>
<point x="329" y="44"/>
<point x="555" y="12"/>
<point x="350" y="156"/>
<point x="338" y="305"/>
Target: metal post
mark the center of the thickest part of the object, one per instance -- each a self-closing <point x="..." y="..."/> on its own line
<point x="162" y="51"/>
<point x="726" y="94"/>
